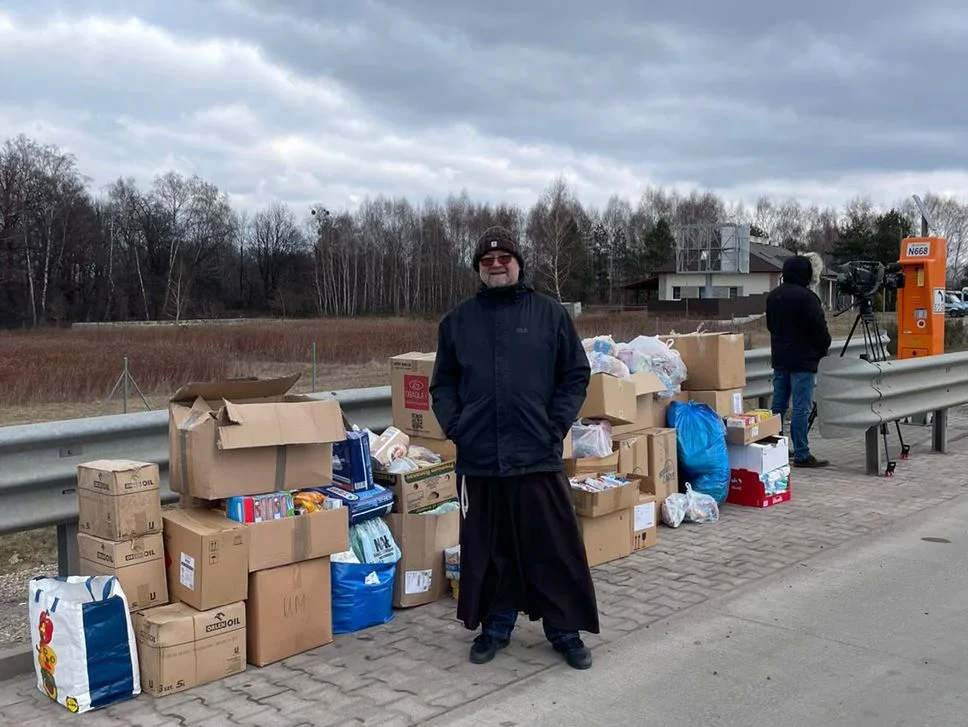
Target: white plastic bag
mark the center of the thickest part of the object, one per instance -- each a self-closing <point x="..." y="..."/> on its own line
<point x="674" y="509"/>
<point x="664" y="361"/>
<point x="602" y="363"/>
<point x="592" y="439"/>
<point x="700" y="507"/>
<point x="85" y="655"/>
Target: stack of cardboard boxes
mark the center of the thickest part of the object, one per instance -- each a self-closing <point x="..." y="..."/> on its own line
<point x="119" y="528"/>
<point x="642" y="451"/>
<point x="421" y="533"/>
<point x="255" y="589"/>
<point x="716" y="363"/>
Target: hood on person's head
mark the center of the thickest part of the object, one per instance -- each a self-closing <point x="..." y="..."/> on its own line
<point x="798" y="270"/>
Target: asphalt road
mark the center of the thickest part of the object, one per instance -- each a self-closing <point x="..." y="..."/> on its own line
<point x="872" y="633"/>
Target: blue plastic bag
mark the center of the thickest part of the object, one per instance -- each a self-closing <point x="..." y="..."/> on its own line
<point x="701" y="448"/>
<point x="362" y="595"/>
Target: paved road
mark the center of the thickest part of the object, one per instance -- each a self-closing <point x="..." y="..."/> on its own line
<point x="415" y="668"/>
<point x="871" y="635"/>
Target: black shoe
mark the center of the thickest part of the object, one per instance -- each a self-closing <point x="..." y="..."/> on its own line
<point x="810" y="462"/>
<point x="484" y="648"/>
<point x="576" y="653"/>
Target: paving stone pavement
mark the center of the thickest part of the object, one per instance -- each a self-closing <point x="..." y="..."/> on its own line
<point x="415" y="668"/>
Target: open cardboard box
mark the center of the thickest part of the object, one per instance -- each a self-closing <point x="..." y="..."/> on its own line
<point x="248" y="437"/>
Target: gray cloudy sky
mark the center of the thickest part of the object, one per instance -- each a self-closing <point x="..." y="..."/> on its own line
<point x="333" y="100"/>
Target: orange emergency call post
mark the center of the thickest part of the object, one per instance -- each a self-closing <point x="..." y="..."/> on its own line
<point x="921" y="302"/>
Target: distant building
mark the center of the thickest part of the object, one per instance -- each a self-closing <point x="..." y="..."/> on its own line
<point x="666" y="284"/>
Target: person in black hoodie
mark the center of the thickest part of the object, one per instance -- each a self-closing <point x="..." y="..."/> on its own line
<point x="510" y="377"/>
<point x="799" y="338"/>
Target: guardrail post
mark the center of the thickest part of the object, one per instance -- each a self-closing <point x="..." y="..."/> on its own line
<point x="873" y="449"/>
<point x="939" y="431"/>
<point x="68" y="557"/>
<point x="763" y="402"/>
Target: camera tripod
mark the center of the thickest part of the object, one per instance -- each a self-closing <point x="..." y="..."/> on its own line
<point x="874" y="350"/>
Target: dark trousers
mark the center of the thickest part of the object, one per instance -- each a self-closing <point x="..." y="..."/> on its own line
<point x="501" y="625"/>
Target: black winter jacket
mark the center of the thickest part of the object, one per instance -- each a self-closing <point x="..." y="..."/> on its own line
<point x="509" y="380"/>
<point x="799" y="337"/>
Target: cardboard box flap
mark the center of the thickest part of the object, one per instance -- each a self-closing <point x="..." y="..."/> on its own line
<point x="272" y="424"/>
<point x="247" y="388"/>
<point x="202" y="521"/>
<point x="162" y="626"/>
<point x="647" y="382"/>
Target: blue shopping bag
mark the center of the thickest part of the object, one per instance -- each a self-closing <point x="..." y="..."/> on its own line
<point x="85" y="655"/>
<point x="362" y="595"/>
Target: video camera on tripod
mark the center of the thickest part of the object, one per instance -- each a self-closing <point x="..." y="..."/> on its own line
<point x="863" y="279"/>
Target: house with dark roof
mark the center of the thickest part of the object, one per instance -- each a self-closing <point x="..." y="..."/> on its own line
<point x="665" y="284"/>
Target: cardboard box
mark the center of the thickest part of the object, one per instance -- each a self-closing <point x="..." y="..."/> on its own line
<point x="662" y="477"/>
<point x="713" y="360"/>
<point x="422" y="539"/>
<point x="207" y="558"/>
<point x="426" y="488"/>
<point x="250" y="437"/>
<point x="747" y="489"/>
<point x="289" y="611"/>
<point x="592" y="465"/>
<point x="609" y="398"/>
<point x="760" y="457"/>
<point x="660" y="409"/>
<point x="295" y="539"/>
<point x="139" y="565"/>
<point x="606" y="538"/>
<point x="633" y="453"/>
<point x="725" y="403"/>
<point x="646" y="386"/>
<point x="645" y="521"/>
<point x="118" y="499"/>
<point x="746" y="432"/>
<point x="598" y="504"/>
<point x="410" y="375"/>
<point x="180" y="648"/>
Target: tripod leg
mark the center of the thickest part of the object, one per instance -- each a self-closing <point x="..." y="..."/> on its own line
<point x="905" y="448"/>
<point x="891" y="464"/>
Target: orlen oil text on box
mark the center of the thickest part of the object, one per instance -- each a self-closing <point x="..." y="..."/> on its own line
<point x="410" y="375"/>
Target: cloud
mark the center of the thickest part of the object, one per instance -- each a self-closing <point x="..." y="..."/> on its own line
<point x="282" y="100"/>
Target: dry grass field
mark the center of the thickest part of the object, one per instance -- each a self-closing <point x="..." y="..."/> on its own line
<point x="65" y="373"/>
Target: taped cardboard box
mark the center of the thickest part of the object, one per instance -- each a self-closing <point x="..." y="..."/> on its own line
<point x="645" y="531"/>
<point x="724" y="403"/>
<point x="289" y="611"/>
<point x="248" y="437"/>
<point x="424" y="488"/>
<point x="714" y="361"/>
<point x="298" y="538"/>
<point x="609" y="398"/>
<point x="647" y="385"/>
<point x="139" y="565"/>
<point x="662" y="476"/>
<point x="593" y="465"/>
<point x="422" y="540"/>
<point x="599" y="504"/>
<point x="633" y="453"/>
<point x="180" y="648"/>
<point x="207" y="558"/>
<point x="413" y="413"/>
<point x="118" y="499"/>
<point x="606" y="538"/>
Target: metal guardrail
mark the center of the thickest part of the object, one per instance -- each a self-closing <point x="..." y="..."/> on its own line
<point x="857" y="395"/>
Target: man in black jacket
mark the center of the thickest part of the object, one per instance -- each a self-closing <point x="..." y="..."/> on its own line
<point x="799" y="338"/>
<point x="509" y="380"/>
